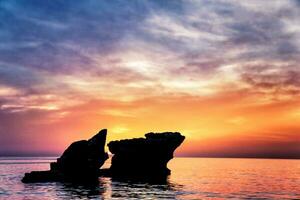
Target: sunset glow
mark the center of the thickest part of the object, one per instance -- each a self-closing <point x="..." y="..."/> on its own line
<point x="223" y="73"/>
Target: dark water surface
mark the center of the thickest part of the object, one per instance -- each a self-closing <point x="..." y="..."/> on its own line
<point x="192" y="178"/>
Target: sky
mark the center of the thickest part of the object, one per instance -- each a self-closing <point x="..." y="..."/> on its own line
<point x="225" y="74"/>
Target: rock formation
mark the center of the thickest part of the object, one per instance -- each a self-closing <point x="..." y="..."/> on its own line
<point x="144" y="156"/>
<point x="138" y="157"/>
<point x="81" y="161"/>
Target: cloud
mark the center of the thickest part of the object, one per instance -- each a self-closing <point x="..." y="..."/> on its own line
<point x="56" y="56"/>
<point x="18" y="76"/>
<point x="192" y="42"/>
<point x="278" y="80"/>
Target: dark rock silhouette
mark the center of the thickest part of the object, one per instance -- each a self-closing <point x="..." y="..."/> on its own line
<point x="81" y="161"/>
<point x="143" y="157"/>
<point x="133" y="158"/>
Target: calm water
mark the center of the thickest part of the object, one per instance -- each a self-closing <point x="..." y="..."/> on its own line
<point x="192" y="178"/>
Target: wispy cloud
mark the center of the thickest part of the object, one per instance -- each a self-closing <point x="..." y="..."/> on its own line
<point x="57" y="55"/>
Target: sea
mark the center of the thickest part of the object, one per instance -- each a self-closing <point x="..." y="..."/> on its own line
<point x="191" y="178"/>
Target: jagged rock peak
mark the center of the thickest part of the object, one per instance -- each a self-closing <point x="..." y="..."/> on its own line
<point x="79" y="162"/>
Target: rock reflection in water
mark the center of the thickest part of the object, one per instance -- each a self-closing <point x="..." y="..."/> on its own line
<point x="108" y="188"/>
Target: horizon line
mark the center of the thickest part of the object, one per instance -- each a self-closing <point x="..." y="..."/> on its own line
<point x="233" y="157"/>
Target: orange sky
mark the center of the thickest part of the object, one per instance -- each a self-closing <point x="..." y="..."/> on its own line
<point x="224" y="74"/>
<point x="223" y="125"/>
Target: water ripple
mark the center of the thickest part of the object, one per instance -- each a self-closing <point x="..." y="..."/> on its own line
<point x="192" y="178"/>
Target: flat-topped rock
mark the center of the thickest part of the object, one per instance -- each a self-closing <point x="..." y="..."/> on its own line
<point x="144" y="156"/>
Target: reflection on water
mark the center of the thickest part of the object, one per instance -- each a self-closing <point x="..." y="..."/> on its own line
<point x="192" y="178"/>
<point x="106" y="189"/>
